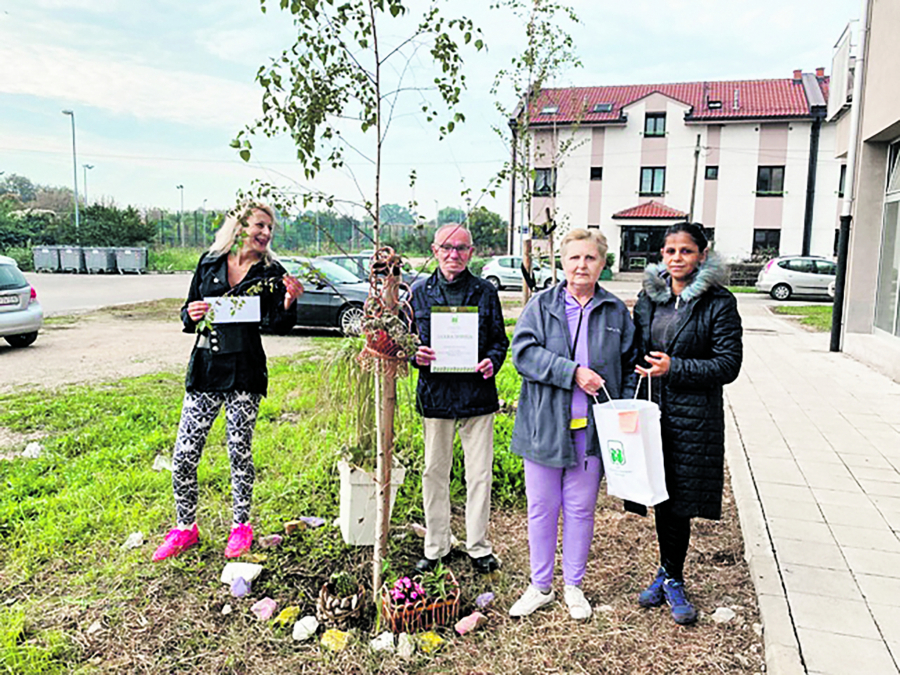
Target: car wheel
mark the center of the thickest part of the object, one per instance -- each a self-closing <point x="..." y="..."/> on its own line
<point x="350" y="320"/>
<point x="21" y="340"/>
<point x="495" y="282"/>
<point x="548" y="282"/>
<point x="781" y="291"/>
<point x="831" y="290"/>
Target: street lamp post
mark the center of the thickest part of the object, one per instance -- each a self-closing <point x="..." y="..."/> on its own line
<point x="86" y="168"/>
<point x="71" y="113"/>
<point x="181" y="215"/>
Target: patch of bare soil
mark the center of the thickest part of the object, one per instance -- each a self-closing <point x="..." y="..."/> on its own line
<point x="176" y="623"/>
<point x="109" y="344"/>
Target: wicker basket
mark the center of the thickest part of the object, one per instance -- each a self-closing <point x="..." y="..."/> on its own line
<point x="423" y="614"/>
<point x="334" y="610"/>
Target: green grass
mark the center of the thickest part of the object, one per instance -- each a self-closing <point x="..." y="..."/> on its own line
<point x="63" y="516"/>
<point x="743" y="289"/>
<point x="173" y="259"/>
<point x="815" y="317"/>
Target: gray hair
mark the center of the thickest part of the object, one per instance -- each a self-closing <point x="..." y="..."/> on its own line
<point x="449" y="228"/>
<point x="595" y="236"/>
<point x="229" y="233"/>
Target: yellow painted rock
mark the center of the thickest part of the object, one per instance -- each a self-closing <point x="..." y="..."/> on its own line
<point x="335" y="640"/>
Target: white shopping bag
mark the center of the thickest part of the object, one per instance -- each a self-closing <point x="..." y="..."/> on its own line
<point x="631" y="448"/>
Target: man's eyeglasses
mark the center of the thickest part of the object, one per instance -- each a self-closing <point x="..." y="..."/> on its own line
<point x="462" y="248"/>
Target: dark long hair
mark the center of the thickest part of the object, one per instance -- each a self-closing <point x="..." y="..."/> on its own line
<point x="693" y="230"/>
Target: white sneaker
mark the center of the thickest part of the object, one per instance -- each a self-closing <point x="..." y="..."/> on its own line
<point x="579" y="607"/>
<point x="531" y="600"/>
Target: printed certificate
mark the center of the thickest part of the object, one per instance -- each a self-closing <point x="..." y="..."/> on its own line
<point x="454" y="339"/>
<point x="234" y="309"/>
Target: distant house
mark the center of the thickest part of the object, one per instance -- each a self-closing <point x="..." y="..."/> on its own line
<point x="872" y="293"/>
<point x="622" y="158"/>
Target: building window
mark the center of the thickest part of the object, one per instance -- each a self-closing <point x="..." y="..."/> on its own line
<point x="712" y="173"/>
<point x="766" y="242"/>
<point x="655" y="124"/>
<point x="653" y="180"/>
<point x="602" y="107"/>
<point x="544" y="182"/>
<point x="596" y="173"/>
<point x="770" y="181"/>
<point x="842" y="181"/>
<point x="549" y="110"/>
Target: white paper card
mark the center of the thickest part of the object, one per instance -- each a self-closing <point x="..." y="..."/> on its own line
<point x="454" y="339"/>
<point x="234" y="309"/>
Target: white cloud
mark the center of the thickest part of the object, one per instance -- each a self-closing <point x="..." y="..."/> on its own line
<point x="124" y="87"/>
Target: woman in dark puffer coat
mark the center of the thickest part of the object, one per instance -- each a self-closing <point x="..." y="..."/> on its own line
<point x="689" y="329"/>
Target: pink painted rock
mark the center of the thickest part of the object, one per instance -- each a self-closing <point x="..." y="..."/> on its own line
<point x="270" y="540"/>
<point x="469" y="623"/>
<point x="264" y="609"/>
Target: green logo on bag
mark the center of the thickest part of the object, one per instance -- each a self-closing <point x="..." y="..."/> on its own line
<point x="617" y="452"/>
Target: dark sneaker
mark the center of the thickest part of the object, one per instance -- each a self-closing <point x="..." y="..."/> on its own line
<point x="652" y="596"/>
<point x="485" y="564"/>
<point x="682" y="611"/>
<point x="426" y="565"/>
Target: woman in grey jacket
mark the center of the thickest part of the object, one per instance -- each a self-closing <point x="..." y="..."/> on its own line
<point x="570" y="341"/>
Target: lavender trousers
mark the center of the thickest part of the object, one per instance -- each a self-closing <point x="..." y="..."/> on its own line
<point x="574" y="492"/>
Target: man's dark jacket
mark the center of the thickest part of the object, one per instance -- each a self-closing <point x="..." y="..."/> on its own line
<point x="706" y="352"/>
<point x="459" y="395"/>
<point x="231" y="358"/>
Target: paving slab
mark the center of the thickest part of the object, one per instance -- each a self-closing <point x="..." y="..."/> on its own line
<point x="813" y="444"/>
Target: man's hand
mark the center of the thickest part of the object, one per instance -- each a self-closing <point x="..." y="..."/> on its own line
<point x="293" y="289"/>
<point x="486" y="368"/>
<point x="197" y="310"/>
<point x="425" y="355"/>
<point x="589" y="381"/>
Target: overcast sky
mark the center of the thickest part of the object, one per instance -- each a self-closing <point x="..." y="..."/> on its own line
<point x="160" y="87"/>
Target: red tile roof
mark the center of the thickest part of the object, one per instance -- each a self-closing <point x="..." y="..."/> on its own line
<point x="650" y="210"/>
<point x="740" y="99"/>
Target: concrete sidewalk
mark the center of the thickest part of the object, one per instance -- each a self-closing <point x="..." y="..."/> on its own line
<point x="814" y="450"/>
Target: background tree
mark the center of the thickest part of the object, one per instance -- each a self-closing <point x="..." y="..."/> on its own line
<point x="451" y="214"/>
<point x="19" y="187"/>
<point x="488" y="230"/>
<point x="395" y="214"/>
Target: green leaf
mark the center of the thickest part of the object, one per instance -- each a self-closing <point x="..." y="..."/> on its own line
<point x="245" y="155"/>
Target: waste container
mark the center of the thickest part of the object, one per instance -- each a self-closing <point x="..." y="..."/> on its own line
<point x="46" y="258"/>
<point x="71" y="259"/>
<point x="131" y="259"/>
<point x="100" y="259"/>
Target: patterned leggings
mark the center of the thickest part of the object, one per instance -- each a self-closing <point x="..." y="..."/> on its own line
<point x="198" y="413"/>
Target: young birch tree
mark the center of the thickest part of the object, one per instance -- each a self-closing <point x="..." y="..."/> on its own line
<point x="548" y="51"/>
<point x="341" y="77"/>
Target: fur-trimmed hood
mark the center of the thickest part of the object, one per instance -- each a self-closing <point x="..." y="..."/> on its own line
<point x="657" y="282"/>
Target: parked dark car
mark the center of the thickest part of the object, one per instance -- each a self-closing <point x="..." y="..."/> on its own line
<point x="332" y="296"/>
<point x="358" y="265"/>
<point x="21" y="315"/>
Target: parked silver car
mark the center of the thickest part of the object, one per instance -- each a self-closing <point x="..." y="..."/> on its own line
<point x="21" y="315"/>
<point x="505" y="271"/>
<point x="358" y="265"/>
<point x="791" y="275"/>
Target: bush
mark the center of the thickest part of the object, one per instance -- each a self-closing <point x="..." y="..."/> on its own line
<point x="173" y="259"/>
<point x="23" y="257"/>
<point x="477" y="264"/>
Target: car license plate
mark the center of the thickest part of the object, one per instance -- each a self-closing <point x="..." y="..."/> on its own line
<point x="9" y="299"/>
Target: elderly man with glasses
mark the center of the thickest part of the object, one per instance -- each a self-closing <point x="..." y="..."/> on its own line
<point x="458" y="401"/>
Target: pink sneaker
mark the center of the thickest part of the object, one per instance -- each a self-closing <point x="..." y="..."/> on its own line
<point x="239" y="541"/>
<point x="176" y="541"/>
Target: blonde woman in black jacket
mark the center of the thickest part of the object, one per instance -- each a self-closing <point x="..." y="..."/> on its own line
<point x="689" y="333"/>
<point x="227" y="367"/>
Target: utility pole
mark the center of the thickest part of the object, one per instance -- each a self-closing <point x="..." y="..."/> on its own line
<point x="71" y="113"/>
<point x="694" y="183"/>
<point x="181" y="216"/>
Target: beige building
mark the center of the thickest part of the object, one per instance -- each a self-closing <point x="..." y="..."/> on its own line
<point x="872" y="293"/>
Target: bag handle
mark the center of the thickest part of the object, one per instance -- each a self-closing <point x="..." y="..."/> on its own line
<point x="638" y="387"/>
